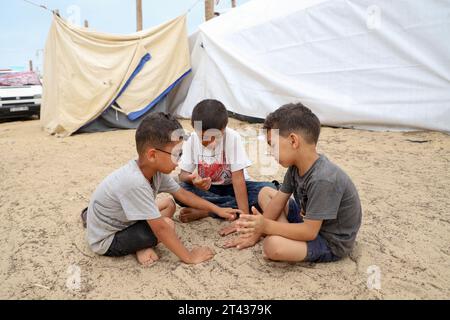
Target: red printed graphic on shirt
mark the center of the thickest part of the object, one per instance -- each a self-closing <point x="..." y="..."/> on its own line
<point x="218" y="172"/>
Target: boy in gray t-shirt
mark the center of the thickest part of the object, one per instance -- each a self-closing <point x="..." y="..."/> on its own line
<point x="124" y="216"/>
<point x="321" y="222"/>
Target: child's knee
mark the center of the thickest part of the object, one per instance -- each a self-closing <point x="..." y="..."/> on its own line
<point x="168" y="205"/>
<point x="265" y="194"/>
<point x="271" y="247"/>
<point x="172" y="207"/>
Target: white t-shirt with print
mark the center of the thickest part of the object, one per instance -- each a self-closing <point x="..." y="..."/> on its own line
<point x="208" y="161"/>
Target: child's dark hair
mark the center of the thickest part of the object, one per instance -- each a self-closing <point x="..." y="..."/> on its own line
<point x="211" y="113"/>
<point x="156" y="131"/>
<point x="295" y="117"/>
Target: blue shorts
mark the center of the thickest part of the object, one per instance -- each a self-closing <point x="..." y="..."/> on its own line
<point x="318" y="249"/>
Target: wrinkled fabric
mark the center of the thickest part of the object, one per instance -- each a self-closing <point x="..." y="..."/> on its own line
<point x="84" y="71"/>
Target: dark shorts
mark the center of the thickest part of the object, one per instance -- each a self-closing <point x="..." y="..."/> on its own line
<point x="318" y="249"/>
<point x="136" y="237"/>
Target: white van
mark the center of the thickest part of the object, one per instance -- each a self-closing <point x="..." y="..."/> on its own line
<point x="20" y="94"/>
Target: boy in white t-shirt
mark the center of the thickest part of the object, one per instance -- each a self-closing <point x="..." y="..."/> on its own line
<point x="214" y="162"/>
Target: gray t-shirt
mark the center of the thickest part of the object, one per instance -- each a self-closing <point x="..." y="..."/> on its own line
<point x="325" y="192"/>
<point x="122" y="199"/>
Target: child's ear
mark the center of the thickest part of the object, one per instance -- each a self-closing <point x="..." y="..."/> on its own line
<point x="151" y="154"/>
<point x="295" y="140"/>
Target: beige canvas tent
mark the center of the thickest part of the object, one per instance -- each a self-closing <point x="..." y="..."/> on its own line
<point x="87" y="73"/>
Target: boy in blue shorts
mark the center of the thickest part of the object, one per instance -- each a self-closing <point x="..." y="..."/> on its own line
<point x="213" y="165"/>
<point x="321" y="222"/>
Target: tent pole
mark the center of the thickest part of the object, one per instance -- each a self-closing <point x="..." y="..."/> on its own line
<point x="138" y="15"/>
<point x="209" y="9"/>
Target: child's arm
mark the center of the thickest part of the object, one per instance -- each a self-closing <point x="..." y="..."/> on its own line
<point x="168" y="237"/>
<point x="240" y="190"/>
<point x="258" y="224"/>
<point x="194" y="201"/>
<point x="184" y="176"/>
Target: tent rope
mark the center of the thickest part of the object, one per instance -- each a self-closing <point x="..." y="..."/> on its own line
<point x="37" y="5"/>
<point x="42" y="7"/>
<point x="53" y="11"/>
<point x="193" y="5"/>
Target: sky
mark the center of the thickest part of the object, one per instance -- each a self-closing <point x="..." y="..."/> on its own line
<point x="24" y="27"/>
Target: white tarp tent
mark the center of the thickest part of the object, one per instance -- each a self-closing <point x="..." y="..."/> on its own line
<point x="356" y="63"/>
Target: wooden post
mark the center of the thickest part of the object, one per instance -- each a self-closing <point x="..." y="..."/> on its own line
<point x="86" y="24"/>
<point x="138" y="15"/>
<point x="233" y="3"/>
<point x="31" y="65"/>
<point x="209" y="9"/>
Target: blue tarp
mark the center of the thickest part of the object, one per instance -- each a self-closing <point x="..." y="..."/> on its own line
<point x="107" y="121"/>
<point x="137" y="114"/>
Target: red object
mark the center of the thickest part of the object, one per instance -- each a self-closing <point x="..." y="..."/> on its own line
<point x="19" y="79"/>
<point x="213" y="171"/>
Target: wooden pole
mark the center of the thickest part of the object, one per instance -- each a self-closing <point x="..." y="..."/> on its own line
<point x="31" y="65"/>
<point x="86" y="24"/>
<point x="209" y="9"/>
<point x="138" y="15"/>
<point x="233" y="3"/>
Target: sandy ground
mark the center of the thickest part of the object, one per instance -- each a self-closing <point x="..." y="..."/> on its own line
<point x="46" y="181"/>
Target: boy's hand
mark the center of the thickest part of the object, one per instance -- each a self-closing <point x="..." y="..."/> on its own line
<point x="199" y="182"/>
<point x="200" y="254"/>
<point x="229" y="214"/>
<point x="225" y="231"/>
<point x="243" y="242"/>
<point x="250" y="225"/>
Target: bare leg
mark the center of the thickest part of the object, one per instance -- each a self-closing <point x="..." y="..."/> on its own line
<point x="191" y="214"/>
<point x="166" y="207"/>
<point x="264" y="198"/>
<point x="282" y="249"/>
<point x="275" y="247"/>
<point x="148" y="256"/>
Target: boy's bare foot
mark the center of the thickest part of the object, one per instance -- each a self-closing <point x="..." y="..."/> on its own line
<point x="190" y="214"/>
<point x="228" y="230"/>
<point x="147" y="256"/>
